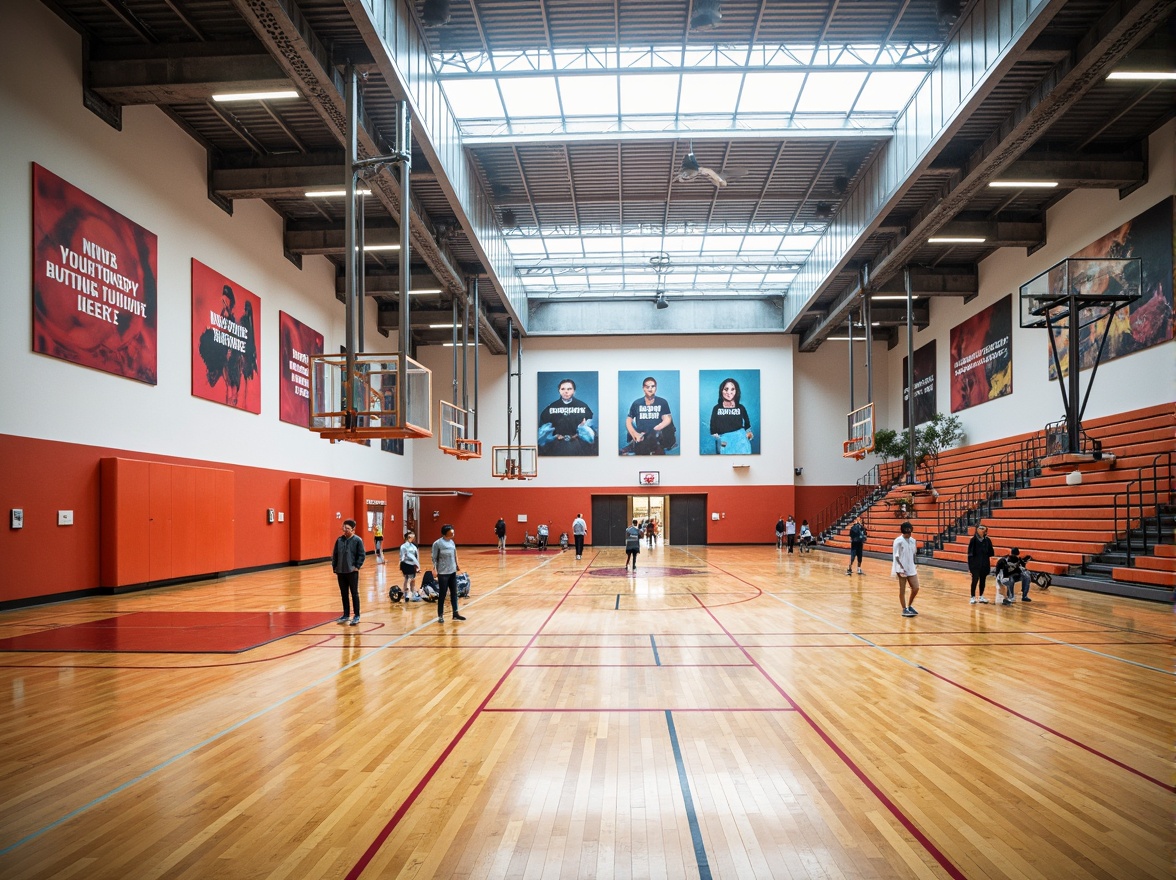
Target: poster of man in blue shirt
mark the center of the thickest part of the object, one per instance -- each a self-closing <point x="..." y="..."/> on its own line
<point x="647" y="424"/>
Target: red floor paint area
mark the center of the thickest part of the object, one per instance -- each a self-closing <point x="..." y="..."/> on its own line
<point x="172" y="632"/>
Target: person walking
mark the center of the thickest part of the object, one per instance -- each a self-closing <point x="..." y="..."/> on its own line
<point x="980" y="555"/>
<point x="579" y="530"/>
<point x="651" y="532"/>
<point x="347" y="559"/>
<point x="378" y="540"/>
<point x="500" y="531"/>
<point x="445" y="567"/>
<point x="632" y="544"/>
<point x="790" y="532"/>
<point x="857" y="543"/>
<point x="780" y="533"/>
<point x="410" y="564"/>
<point x="904" y="569"/>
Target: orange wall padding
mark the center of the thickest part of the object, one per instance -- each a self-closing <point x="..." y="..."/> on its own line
<point x="312" y="527"/>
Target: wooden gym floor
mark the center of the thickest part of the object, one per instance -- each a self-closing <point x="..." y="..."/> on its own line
<point x="726" y="712"/>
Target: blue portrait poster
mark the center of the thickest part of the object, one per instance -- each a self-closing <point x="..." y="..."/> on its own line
<point x="729" y="412"/>
<point x="648" y="412"/>
<point x="568" y="407"/>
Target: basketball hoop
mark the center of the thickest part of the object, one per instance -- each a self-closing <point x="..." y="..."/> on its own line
<point x="451" y="439"/>
<point x="860" y="432"/>
<point x="515" y="462"/>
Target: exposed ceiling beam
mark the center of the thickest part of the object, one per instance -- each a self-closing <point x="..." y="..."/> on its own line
<point x="1123" y="26"/>
<point x="182" y="73"/>
<point x="388" y="285"/>
<point x="941" y="281"/>
<point x="698" y="134"/>
<point x="274" y="177"/>
<point x="996" y="233"/>
<point x="1078" y="172"/>
<point x="318" y="238"/>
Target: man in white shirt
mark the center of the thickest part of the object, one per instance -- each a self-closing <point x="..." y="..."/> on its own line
<point x="904" y="568"/>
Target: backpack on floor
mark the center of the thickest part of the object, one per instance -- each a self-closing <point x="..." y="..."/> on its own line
<point x="395" y="593"/>
<point x="1042" y="578"/>
<point x="463" y="585"/>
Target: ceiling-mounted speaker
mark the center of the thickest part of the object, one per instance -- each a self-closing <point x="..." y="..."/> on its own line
<point x="660" y="301"/>
<point x="509" y="220"/>
<point x="946" y="13"/>
<point x="824" y="210"/>
<point x="706" y="14"/>
<point x="435" y="13"/>
<point x="840" y="184"/>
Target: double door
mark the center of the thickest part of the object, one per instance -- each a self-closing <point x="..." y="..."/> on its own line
<point x="681" y="519"/>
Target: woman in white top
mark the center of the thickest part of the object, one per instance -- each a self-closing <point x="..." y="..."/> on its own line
<point x="410" y="564"/>
<point x="904" y="568"/>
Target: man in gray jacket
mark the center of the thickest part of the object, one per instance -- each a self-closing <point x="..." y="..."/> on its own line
<point x="346" y="561"/>
<point x="445" y="567"/>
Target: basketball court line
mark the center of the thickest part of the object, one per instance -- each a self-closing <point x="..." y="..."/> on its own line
<point x="33" y="835"/>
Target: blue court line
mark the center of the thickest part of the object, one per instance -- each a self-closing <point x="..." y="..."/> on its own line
<point x="617" y="607"/>
<point x="704" y="871"/>
<point x="656" y="659"/>
<point x="430" y="625"/>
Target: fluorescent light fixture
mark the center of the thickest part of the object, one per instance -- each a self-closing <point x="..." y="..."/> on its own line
<point x="1147" y="75"/>
<point x="382" y="247"/>
<point x="278" y="95"/>
<point x="334" y="193"/>
<point x="893" y="296"/>
<point x="956" y="239"/>
<point x="425" y="291"/>
<point x="1023" y="184"/>
<point x="440" y="326"/>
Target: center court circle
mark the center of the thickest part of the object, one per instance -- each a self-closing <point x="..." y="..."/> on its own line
<point x="653" y="571"/>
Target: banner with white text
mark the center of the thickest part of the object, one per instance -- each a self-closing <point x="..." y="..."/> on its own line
<point x="298" y="344"/>
<point x="226" y="349"/>
<point x="94" y="282"/>
<point x="982" y="356"/>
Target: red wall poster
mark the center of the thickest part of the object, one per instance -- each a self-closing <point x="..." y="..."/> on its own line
<point x="225" y="347"/>
<point x="94" y="282"/>
<point x="298" y="343"/>
<point x="982" y="356"/>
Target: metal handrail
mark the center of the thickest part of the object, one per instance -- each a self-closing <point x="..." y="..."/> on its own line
<point x="1126" y="494"/>
<point x="874" y="482"/>
<point x="975" y="499"/>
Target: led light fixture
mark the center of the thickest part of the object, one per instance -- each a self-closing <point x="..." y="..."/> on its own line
<point x="1023" y="184"/>
<point x="1146" y="75"/>
<point x="335" y="193"/>
<point x="278" y="95"/>
<point x="956" y="239"/>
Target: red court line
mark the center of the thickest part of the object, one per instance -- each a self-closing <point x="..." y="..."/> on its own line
<point x="898" y="814"/>
<point x="1051" y="730"/>
<point x="628" y="665"/>
<point x="553" y="711"/>
<point x="388" y="828"/>
<point x="173" y="666"/>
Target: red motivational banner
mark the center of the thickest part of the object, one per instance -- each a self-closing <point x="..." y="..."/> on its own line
<point x="982" y="356"/>
<point x="226" y="350"/>
<point x="94" y="282"/>
<point x="924" y="385"/>
<point x="298" y="343"/>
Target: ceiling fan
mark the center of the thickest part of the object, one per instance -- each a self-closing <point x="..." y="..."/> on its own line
<point x="691" y="170"/>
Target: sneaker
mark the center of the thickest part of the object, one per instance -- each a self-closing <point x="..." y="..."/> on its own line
<point x="440" y="619"/>
<point x="982" y="600"/>
<point x="355" y="620"/>
<point x="343" y="619"/>
<point x="1006" y="602"/>
<point x="911" y="609"/>
<point x="458" y="617"/>
<point x="972" y="601"/>
<point x="849" y="571"/>
<point x="1026" y="599"/>
<point x="908" y="612"/>
<point x="860" y="571"/>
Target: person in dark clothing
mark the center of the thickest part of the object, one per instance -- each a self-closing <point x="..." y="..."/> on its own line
<point x="730" y="423"/>
<point x="500" y="532"/>
<point x="446" y="567"/>
<point x="346" y="560"/>
<point x="857" y="543"/>
<point x="780" y="533"/>
<point x="980" y="555"/>
<point x="1009" y="570"/>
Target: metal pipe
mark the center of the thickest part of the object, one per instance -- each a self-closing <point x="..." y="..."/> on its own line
<point x="465" y="344"/>
<point x="349" y="244"/>
<point x="910" y="322"/>
<point x="850" y="322"/>
<point x="476" y="356"/>
<point x="360" y="269"/>
<point x="866" y="320"/>
<point x="454" y="341"/>
<point x="404" y="146"/>
<point x="509" y="367"/>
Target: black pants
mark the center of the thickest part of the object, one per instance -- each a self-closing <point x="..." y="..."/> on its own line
<point x="791" y="542"/>
<point x="579" y="544"/>
<point x="979" y="579"/>
<point x="855" y="552"/>
<point x="446" y="583"/>
<point x="349" y="590"/>
<point x="631" y="554"/>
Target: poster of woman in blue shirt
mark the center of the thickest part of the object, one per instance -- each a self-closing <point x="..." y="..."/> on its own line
<point x="729" y="412"/>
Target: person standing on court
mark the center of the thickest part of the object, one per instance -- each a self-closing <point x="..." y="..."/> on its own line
<point x="500" y="531"/>
<point x="445" y="567"/>
<point x="857" y="543"/>
<point x="790" y="532"/>
<point x="346" y="560"/>
<point x="904" y="568"/>
<point x="780" y="533"/>
<point x="410" y="564"/>
<point x="980" y="553"/>
<point x="378" y="540"/>
<point x="632" y="544"/>
<point x="579" y="530"/>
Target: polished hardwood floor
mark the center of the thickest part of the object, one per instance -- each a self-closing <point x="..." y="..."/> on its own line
<point x="724" y="712"/>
